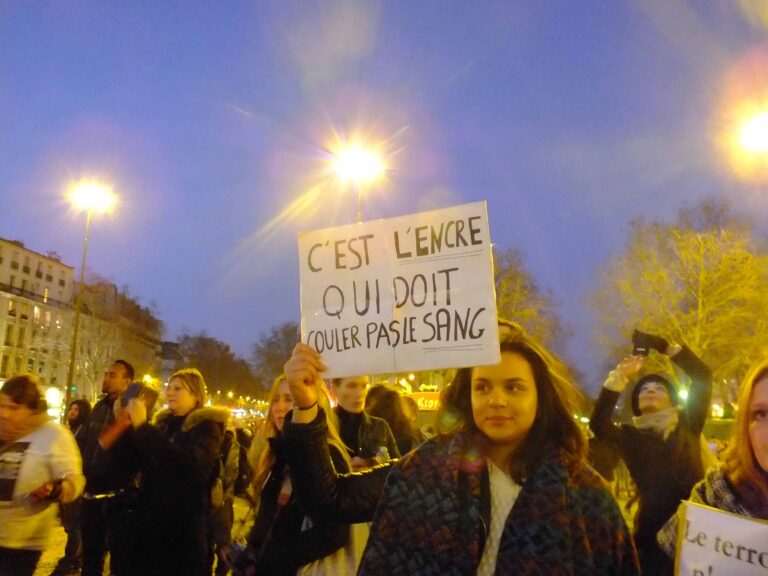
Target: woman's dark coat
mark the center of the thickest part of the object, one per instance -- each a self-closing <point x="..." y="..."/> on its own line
<point x="179" y="464"/>
<point x="277" y="541"/>
<point x="664" y="471"/>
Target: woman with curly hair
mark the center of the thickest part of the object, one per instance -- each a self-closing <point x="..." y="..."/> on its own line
<point x="504" y="488"/>
<point x="740" y="484"/>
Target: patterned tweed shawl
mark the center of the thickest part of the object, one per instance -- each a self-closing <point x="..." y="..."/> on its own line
<point x="429" y="519"/>
<point x="714" y="491"/>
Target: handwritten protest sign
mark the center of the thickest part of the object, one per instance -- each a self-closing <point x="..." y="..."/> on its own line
<point x="409" y="293"/>
<point x="716" y="543"/>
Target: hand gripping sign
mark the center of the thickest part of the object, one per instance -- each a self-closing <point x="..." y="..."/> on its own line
<point x="401" y="294"/>
<point x="711" y="542"/>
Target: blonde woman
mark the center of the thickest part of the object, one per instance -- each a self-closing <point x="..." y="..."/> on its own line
<point x="740" y="484"/>
<point x="179" y="463"/>
<point x="283" y="540"/>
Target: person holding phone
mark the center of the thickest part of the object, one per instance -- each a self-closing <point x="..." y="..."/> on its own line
<point x="662" y="447"/>
<point x="179" y="456"/>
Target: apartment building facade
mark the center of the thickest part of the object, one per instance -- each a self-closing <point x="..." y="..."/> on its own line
<point x="36" y="292"/>
<point x="37" y="295"/>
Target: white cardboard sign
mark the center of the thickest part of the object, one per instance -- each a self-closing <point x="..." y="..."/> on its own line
<point x="401" y="294"/>
<point x="711" y="542"/>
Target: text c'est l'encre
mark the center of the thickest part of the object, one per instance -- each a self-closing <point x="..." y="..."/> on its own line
<point x="417" y="241"/>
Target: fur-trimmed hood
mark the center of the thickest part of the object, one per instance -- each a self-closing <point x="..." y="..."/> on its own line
<point x="220" y="414"/>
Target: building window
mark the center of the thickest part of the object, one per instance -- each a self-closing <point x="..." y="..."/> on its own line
<point x="62" y="283"/>
<point x="36" y="314"/>
<point x="4" y="366"/>
<point x="48" y="278"/>
<point x="9" y="335"/>
<point x="13" y="280"/>
<point x="14" y="265"/>
<point x="45" y="295"/>
<point x="47" y="318"/>
<point x="20" y="339"/>
<point x="11" y="307"/>
<point x="24" y="310"/>
<point x="17" y="365"/>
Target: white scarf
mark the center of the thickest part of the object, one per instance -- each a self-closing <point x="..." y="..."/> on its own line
<point x="662" y="422"/>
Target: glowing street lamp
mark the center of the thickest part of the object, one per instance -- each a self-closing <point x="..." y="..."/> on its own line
<point x="753" y="136"/>
<point x="746" y="141"/>
<point x="358" y="165"/>
<point x="90" y="196"/>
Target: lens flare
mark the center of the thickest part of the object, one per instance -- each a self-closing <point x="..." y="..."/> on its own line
<point x="742" y="122"/>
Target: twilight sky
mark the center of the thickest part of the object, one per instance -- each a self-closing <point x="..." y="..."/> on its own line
<point x="211" y="118"/>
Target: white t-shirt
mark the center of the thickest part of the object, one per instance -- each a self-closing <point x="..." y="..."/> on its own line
<point x="47" y="453"/>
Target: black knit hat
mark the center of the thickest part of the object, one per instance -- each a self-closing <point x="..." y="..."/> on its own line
<point x="658" y="378"/>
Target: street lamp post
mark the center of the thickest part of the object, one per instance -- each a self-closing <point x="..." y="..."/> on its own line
<point x="91" y="197"/>
<point x="358" y="165"/>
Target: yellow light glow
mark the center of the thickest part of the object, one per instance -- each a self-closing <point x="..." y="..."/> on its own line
<point x="54" y="397"/>
<point x="683" y="394"/>
<point x="147" y="379"/>
<point x="411" y="376"/>
<point x="753" y="136"/>
<point x="92" y="196"/>
<point x="230" y="394"/>
<point x="358" y="164"/>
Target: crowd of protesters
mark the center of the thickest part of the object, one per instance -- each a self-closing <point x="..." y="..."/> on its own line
<point x="340" y="479"/>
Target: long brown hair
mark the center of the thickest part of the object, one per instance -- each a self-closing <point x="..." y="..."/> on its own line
<point x="741" y="467"/>
<point x="555" y="427"/>
<point x="266" y="459"/>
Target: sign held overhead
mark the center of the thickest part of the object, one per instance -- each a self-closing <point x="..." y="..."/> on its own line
<point x="401" y="294"/>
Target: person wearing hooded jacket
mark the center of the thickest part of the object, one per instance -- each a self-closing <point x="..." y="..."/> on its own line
<point x="78" y="413"/>
<point x="662" y="448"/>
<point x="179" y="464"/>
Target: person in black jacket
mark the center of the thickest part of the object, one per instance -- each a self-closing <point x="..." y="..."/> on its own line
<point x="663" y="447"/>
<point x="103" y="521"/>
<point x="283" y="539"/>
<point x="179" y="463"/>
<point x="78" y="413"/>
<point x="369" y="439"/>
<point x="389" y="404"/>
